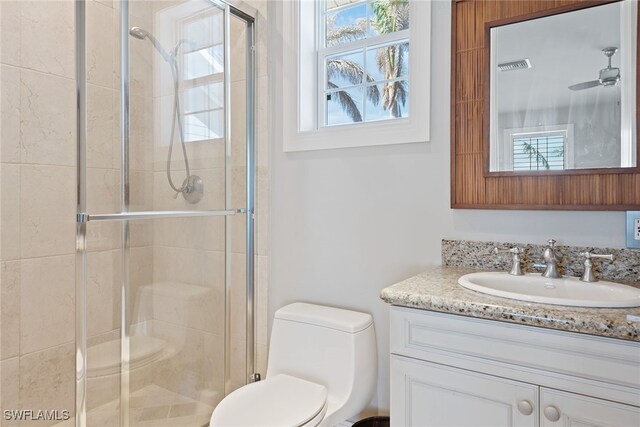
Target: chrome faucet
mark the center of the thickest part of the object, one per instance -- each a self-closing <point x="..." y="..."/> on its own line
<point x="516" y="262"/>
<point x="589" y="275"/>
<point x="552" y="257"/>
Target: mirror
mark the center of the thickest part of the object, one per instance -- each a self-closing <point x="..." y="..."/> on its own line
<point x="562" y="91"/>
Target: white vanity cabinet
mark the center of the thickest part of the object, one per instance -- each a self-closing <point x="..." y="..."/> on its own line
<point x="449" y="370"/>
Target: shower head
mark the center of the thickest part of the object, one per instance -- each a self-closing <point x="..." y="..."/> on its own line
<point x="141" y="34"/>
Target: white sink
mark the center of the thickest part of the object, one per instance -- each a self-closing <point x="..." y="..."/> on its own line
<point x="564" y="291"/>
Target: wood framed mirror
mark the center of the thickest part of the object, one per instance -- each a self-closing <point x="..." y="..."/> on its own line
<point x="579" y="186"/>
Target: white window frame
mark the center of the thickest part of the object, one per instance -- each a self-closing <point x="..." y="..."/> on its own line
<point x="186" y="84"/>
<point x="510" y="134"/>
<point x="300" y="85"/>
<point x="323" y="53"/>
<point x="170" y="20"/>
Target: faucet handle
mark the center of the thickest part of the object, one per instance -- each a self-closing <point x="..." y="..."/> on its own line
<point x="589" y="254"/>
<point x="588" y="275"/>
<point x="516" y="266"/>
<point x="557" y="254"/>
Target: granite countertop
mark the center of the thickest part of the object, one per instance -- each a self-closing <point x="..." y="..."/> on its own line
<point x="437" y="289"/>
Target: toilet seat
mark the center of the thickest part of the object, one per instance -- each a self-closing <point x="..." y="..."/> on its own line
<point x="278" y="401"/>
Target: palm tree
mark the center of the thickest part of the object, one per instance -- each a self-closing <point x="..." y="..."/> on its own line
<point x="388" y="16"/>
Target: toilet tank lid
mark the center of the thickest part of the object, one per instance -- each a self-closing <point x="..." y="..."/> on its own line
<point x="328" y="317"/>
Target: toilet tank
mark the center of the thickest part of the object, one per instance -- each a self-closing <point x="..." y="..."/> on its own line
<point x="328" y="346"/>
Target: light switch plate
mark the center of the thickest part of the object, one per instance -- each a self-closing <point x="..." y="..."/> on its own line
<point x="633" y="229"/>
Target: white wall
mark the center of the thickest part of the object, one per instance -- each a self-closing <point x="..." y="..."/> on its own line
<point x="347" y="223"/>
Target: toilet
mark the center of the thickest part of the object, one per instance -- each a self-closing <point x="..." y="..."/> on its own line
<point x="322" y="370"/>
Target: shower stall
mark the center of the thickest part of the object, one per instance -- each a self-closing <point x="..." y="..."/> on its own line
<point x="165" y="211"/>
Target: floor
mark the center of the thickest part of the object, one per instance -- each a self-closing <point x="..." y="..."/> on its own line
<point x="151" y="406"/>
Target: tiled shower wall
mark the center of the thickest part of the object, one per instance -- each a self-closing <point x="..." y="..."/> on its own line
<point x="38" y="196"/>
<point x="38" y="159"/>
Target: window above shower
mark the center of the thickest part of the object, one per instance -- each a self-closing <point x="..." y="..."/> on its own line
<point x="350" y="79"/>
<point x="202" y="76"/>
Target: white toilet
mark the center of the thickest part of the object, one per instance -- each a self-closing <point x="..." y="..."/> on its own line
<point x="322" y="370"/>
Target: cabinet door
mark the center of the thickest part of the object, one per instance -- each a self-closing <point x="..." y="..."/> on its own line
<point x="426" y="394"/>
<point x="563" y="409"/>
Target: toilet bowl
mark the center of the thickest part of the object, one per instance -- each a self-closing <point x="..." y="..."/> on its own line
<point x="322" y="370"/>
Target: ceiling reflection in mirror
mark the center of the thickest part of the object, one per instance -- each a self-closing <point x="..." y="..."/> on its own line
<point x="563" y="91"/>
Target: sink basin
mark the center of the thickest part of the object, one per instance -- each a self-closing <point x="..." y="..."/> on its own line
<point x="568" y="291"/>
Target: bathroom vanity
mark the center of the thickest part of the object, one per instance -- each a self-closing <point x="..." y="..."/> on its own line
<point x="462" y="358"/>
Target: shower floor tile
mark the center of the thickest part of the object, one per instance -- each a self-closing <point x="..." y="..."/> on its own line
<point x="151" y="406"/>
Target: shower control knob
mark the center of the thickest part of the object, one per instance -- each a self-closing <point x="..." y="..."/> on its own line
<point x="552" y="413"/>
<point x="194" y="189"/>
<point x="525" y="407"/>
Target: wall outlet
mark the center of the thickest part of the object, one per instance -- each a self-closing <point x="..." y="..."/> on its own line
<point x="633" y="229"/>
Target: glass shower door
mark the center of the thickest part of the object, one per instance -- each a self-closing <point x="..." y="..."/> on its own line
<point x="163" y="234"/>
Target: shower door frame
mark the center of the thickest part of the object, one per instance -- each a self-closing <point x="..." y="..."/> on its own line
<point x="124" y="216"/>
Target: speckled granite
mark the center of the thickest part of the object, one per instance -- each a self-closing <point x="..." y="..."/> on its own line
<point x="462" y="253"/>
<point x="437" y="289"/>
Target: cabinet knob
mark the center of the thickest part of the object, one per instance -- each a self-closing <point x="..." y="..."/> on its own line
<point x="525" y="407"/>
<point x="552" y="413"/>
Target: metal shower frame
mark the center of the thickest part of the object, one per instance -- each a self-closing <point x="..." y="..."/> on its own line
<point x="124" y="216"/>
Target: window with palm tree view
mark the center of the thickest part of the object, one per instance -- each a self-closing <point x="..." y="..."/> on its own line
<point x="364" y="61"/>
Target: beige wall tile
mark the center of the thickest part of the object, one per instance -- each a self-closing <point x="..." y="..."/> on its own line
<point x="262" y="290"/>
<point x="262" y="212"/>
<point x="103" y="286"/>
<point x="47" y="37"/>
<point x="10" y="130"/>
<point x="10" y="309"/>
<point x="213" y="197"/>
<point x="140" y="275"/>
<point x="141" y="190"/>
<point x="100" y="44"/>
<point x="10" y="211"/>
<point x="141" y="233"/>
<point x="101" y="141"/>
<point x="206" y="233"/>
<point x="238" y="186"/>
<point x="238" y="48"/>
<point x="262" y="356"/>
<point x="47" y="119"/>
<point x="10" y="32"/>
<point x="238" y="233"/>
<point x="238" y="300"/>
<point x="10" y="386"/>
<point x="116" y="128"/>
<point x="103" y="190"/>
<point x="103" y="235"/>
<point x="262" y="122"/>
<point x="47" y="302"/>
<point x="108" y="3"/>
<point x="239" y="123"/>
<point x="101" y="390"/>
<point x="141" y="133"/>
<point x="194" y="368"/>
<point x="191" y="306"/>
<point x="214" y="363"/>
<point x="239" y="374"/>
<point x="141" y="9"/>
<point x="143" y="59"/>
<point x="191" y="266"/>
<point x="47" y="210"/>
<point x="47" y="380"/>
<point x="261" y="38"/>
